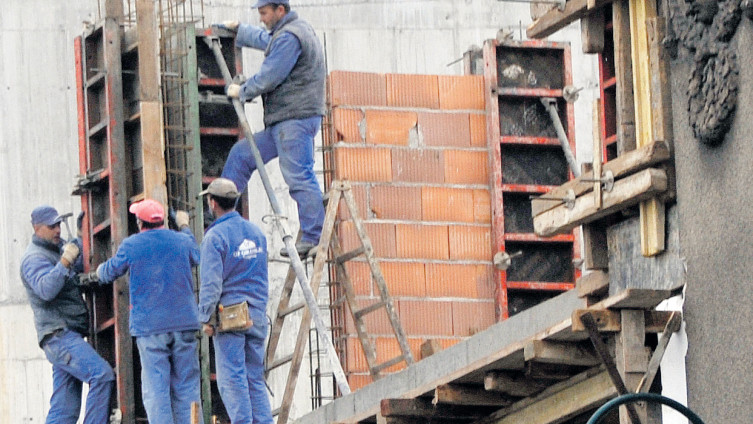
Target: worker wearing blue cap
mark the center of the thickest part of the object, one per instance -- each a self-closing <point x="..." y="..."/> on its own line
<point x="61" y="321"/>
<point x="291" y="84"/>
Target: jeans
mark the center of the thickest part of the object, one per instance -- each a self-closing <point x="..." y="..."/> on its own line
<point x="74" y="361"/>
<point x="293" y="142"/>
<point x="170" y="377"/>
<point x="239" y="359"/>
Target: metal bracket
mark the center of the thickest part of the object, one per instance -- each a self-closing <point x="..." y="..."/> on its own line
<point x="568" y="200"/>
<point x="607" y="181"/>
<point x="503" y="260"/>
<point x="88" y="182"/>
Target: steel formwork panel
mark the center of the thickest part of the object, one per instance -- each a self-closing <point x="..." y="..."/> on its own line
<point x="526" y="160"/>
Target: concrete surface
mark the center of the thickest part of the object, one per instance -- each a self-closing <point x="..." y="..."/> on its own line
<point x="716" y="230"/>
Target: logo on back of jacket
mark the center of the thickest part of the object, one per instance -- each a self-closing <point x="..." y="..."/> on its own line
<point x="248" y="250"/>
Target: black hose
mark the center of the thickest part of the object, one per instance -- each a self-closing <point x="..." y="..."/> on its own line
<point x="638" y="397"/>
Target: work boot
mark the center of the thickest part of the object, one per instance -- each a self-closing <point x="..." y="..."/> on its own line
<point x="303" y="247"/>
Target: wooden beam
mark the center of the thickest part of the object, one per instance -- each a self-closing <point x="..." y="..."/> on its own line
<point x="624" y="165"/>
<point x="673" y="325"/>
<point x="592" y="32"/>
<point x="512" y="386"/>
<point x="452" y="394"/>
<point x="626" y="192"/>
<point x="423" y="408"/>
<point x="556" y="407"/>
<point x="430" y="347"/>
<point x="595" y="283"/>
<point x="634" y="299"/>
<point x="556" y="19"/>
<point x="623" y="66"/>
<point x="559" y="353"/>
<point x="609" y="321"/>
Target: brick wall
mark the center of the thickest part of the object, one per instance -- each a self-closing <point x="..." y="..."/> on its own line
<point x="414" y="149"/>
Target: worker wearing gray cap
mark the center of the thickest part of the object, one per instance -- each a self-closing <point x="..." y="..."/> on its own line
<point x="234" y="277"/>
<point x="291" y="84"/>
<point x="60" y="317"/>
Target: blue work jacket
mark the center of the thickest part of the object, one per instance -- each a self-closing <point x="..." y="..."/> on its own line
<point x="160" y="280"/>
<point x="233" y="265"/>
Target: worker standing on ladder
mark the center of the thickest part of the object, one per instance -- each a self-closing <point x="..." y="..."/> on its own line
<point x="60" y="317"/>
<point x="164" y="314"/>
<point x="291" y="83"/>
<point x="234" y="277"/>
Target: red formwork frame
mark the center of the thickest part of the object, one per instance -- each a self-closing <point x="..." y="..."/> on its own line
<point x="495" y="141"/>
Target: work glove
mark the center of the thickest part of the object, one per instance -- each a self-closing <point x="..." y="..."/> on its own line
<point x="70" y="253"/>
<point x="234" y="91"/>
<point x="230" y="25"/>
<point x="181" y="219"/>
<point x="87" y="280"/>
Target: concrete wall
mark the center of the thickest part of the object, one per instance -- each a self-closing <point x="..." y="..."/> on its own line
<point x="716" y="229"/>
<point x="38" y="127"/>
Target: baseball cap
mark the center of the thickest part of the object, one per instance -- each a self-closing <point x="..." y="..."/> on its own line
<point x="222" y="187"/>
<point x="262" y="3"/>
<point x="46" y="215"/>
<point x="148" y="210"/>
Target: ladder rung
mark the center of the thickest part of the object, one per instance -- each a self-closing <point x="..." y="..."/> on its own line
<point x="391" y="362"/>
<point x="290" y="309"/>
<point x="371" y="308"/>
<point x="276" y="412"/>
<point x="279" y="362"/>
<point x="345" y="257"/>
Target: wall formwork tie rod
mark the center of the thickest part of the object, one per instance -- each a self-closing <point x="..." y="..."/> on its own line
<point x="287" y="238"/>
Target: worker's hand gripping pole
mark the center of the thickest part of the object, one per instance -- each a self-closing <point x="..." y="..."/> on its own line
<point x="287" y="238"/>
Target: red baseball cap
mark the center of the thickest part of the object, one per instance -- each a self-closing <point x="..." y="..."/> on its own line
<point x="148" y="210"/>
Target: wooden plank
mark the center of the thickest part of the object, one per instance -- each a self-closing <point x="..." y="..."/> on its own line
<point x="673" y="325"/>
<point x="594" y="283"/>
<point x="597" y="148"/>
<point x="556" y="18"/>
<point x="652" y="210"/>
<point x="592" y="32"/>
<point x="557" y="407"/>
<point x="624" y="165"/>
<point x="423" y="408"/>
<point x="605" y="320"/>
<point x="465" y="395"/>
<point x="510" y="385"/>
<point x="626" y="192"/>
<point x="624" y="77"/>
<point x="608" y="320"/>
<point x="559" y="353"/>
<point x="634" y="298"/>
<point x="430" y="347"/>
<point x="595" y="248"/>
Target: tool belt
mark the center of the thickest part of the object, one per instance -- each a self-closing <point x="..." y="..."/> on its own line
<point x="233" y="317"/>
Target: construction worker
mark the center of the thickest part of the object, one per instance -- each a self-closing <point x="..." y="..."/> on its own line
<point x="291" y="83"/>
<point x="234" y="273"/>
<point x="61" y="320"/>
<point x="164" y="315"/>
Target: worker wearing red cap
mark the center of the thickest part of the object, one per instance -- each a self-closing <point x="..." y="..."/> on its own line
<point x="164" y="315"/>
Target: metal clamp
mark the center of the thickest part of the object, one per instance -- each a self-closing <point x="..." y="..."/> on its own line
<point x="607" y="181"/>
<point x="571" y="93"/>
<point x="503" y="260"/>
<point x="568" y="200"/>
<point x="272" y="218"/>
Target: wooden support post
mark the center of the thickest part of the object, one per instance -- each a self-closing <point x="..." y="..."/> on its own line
<point x="652" y="219"/>
<point x="623" y="65"/>
<point x="592" y="32"/>
<point x="150" y="104"/>
<point x="632" y="362"/>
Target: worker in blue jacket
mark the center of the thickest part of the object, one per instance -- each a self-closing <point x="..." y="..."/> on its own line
<point x="233" y="271"/>
<point x="61" y="321"/>
<point x="291" y="84"/>
<point x="164" y="316"/>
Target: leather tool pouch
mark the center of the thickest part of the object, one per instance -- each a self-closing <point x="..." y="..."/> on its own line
<point x="234" y="317"/>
